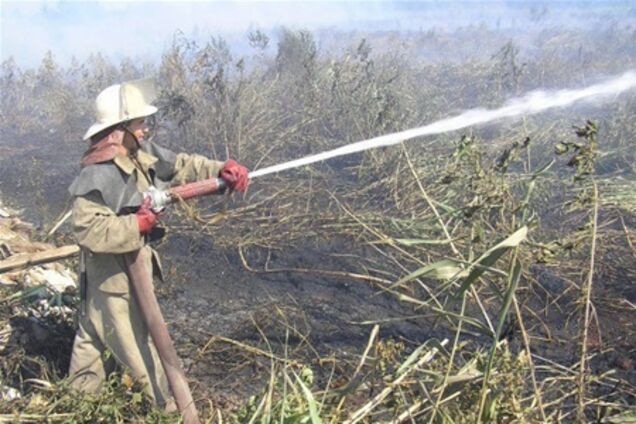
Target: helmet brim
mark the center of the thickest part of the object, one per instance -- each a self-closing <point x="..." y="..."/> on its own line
<point x="100" y="126"/>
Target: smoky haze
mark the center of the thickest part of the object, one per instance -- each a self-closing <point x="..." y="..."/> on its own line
<point x="142" y="30"/>
<point x="269" y="83"/>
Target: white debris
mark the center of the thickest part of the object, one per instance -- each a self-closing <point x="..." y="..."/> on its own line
<point x="9" y="393"/>
<point x="4" y="211"/>
<point x="5" y="336"/>
<point x="56" y="279"/>
<point x="6" y="281"/>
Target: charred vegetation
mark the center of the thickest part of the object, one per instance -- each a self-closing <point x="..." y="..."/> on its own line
<point x="484" y="275"/>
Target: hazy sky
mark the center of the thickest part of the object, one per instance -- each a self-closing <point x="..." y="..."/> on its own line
<point x="142" y="29"/>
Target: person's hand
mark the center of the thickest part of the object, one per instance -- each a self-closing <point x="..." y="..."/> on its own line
<point x="235" y="175"/>
<point x="146" y="218"/>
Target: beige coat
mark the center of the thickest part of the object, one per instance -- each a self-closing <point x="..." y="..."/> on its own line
<point x="111" y="330"/>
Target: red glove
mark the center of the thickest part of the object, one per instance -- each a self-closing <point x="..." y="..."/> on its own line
<point x="146" y="218"/>
<point x="235" y="175"/>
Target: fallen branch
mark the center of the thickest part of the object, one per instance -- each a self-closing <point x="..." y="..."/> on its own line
<point x="338" y="274"/>
<point x="23" y="260"/>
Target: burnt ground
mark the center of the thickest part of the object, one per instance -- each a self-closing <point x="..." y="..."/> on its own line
<point x="209" y="293"/>
<point x="224" y="299"/>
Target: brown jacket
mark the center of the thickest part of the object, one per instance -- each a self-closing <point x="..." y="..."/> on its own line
<point x="105" y="235"/>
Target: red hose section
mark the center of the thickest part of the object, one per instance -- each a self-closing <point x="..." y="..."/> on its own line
<point x="143" y="288"/>
<point x="199" y="188"/>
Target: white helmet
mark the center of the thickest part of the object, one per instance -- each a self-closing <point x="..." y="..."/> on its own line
<point x="122" y="102"/>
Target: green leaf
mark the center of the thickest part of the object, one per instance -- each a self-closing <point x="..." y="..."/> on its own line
<point x="136" y="398"/>
<point x="417" y="353"/>
<point x="415" y="242"/>
<point x="441" y="270"/>
<point x="561" y="148"/>
<point x="491" y="256"/>
<point x="411" y="359"/>
<point x="622" y="418"/>
<point x="445" y="207"/>
<point x="543" y="169"/>
<point x="482" y="328"/>
<point x="311" y="402"/>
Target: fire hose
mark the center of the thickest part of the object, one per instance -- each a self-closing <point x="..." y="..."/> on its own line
<point x="162" y="198"/>
<point x="141" y="281"/>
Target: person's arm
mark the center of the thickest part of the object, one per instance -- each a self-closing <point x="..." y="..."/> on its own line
<point x="180" y="168"/>
<point x="100" y="230"/>
<point x="190" y="168"/>
<point x="183" y="168"/>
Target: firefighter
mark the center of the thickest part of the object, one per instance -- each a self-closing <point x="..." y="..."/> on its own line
<point x="111" y="217"/>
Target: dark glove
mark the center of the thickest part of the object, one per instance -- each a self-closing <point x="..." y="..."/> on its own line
<point x="235" y="175"/>
<point x="146" y="218"/>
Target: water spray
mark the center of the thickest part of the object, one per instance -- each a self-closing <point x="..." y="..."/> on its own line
<point x="530" y="104"/>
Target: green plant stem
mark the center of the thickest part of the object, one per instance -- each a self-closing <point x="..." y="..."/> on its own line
<point x="587" y="294"/>
<point x="526" y="343"/>
<point x="450" y="363"/>
<point x="513" y="280"/>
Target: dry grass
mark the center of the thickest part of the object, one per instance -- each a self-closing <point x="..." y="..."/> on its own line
<point x="427" y="218"/>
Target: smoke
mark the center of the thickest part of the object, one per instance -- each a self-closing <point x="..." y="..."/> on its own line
<point x="532" y="103"/>
<point x="118" y="29"/>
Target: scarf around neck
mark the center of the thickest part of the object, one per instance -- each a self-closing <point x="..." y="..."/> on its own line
<point x="103" y="150"/>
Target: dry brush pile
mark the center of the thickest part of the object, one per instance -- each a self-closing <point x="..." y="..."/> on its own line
<point x="513" y="243"/>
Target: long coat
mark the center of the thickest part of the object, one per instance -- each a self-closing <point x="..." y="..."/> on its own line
<point x="111" y="329"/>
